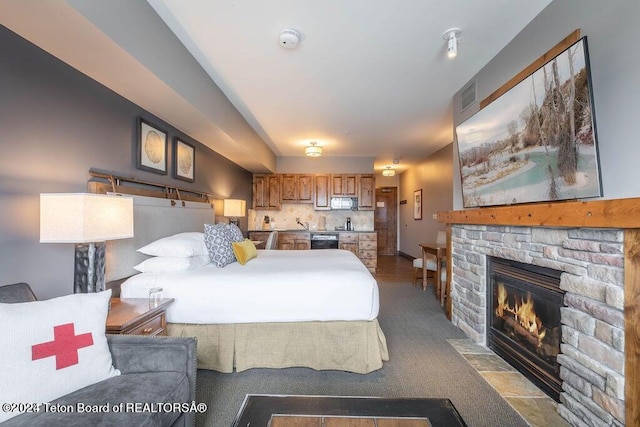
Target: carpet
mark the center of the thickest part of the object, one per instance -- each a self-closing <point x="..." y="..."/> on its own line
<point x="259" y="410"/>
<point x="422" y="365"/>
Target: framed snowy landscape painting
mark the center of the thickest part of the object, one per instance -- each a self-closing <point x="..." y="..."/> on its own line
<point x="537" y="142"/>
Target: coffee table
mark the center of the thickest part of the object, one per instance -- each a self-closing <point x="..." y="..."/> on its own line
<point x="258" y="410"/>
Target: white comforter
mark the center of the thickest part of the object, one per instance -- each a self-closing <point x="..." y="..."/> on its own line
<point x="277" y="286"/>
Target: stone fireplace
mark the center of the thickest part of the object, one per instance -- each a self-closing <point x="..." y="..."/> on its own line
<point x="592" y="321"/>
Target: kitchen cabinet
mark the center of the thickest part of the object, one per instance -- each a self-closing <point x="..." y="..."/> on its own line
<point x="367" y="193"/>
<point x="295" y="240"/>
<point x="344" y="185"/>
<point x="266" y="192"/>
<point x="322" y="192"/>
<point x="368" y="250"/>
<point x="349" y="242"/>
<point x="259" y="236"/>
<point x="296" y="188"/>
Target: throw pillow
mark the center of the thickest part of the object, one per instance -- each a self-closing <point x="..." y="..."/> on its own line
<point x="218" y="239"/>
<point x="165" y="264"/>
<point x="244" y="251"/>
<point x="52" y="348"/>
<point x="179" y="245"/>
<point x="236" y="233"/>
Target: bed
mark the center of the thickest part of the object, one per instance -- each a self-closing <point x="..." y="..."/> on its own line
<point x="315" y="308"/>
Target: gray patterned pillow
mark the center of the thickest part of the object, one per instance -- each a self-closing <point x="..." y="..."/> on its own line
<point x="236" y="234"/>
<point x="218" y="239"/>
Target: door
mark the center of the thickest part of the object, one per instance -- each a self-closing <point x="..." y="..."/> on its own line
<point x="386" y="220"/>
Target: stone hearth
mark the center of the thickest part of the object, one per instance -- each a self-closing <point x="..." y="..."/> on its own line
<point x="592" y="355"/>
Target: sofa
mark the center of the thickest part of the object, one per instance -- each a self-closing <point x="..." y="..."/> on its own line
<point x="156" y="386"/>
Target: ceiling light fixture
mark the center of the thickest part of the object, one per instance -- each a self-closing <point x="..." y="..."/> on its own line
<point x="451" y="36"/>
<point x="312" y="150"/>
<point x="388" y="171"/>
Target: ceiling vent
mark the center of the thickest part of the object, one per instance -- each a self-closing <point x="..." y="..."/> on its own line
<point x="468" y="95"/>
<point x="289" y="38"/>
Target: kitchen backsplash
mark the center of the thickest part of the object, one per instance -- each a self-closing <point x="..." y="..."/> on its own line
<point x="286" y="218"/>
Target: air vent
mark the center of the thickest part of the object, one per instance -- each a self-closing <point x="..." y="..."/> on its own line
<point x="468" y="95"/>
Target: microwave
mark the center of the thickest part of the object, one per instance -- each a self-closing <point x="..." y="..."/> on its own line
<point x="345" y="203"/>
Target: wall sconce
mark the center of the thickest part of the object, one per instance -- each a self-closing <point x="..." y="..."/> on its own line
<point x="313" y="150"/>
<point x="234" y="208"/>
<point x="388" y="171"/>
<point x="451" y="36"/>
<point x="88" y="220"/>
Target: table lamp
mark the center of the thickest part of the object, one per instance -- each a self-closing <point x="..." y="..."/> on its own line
<point x="88" y="220"/>
<point x="234" y="208"/>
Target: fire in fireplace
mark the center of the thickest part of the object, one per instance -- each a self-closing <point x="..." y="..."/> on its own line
<point x="524" y="320"/>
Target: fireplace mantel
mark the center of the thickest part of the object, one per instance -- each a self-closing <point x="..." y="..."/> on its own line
<point x="615" y="213"/>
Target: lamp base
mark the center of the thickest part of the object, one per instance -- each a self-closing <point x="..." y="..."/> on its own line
<point x="234" y="221"/>
<point x="89" y="267"/>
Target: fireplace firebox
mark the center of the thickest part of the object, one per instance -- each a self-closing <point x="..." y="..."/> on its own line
<point x="523" y="316"/>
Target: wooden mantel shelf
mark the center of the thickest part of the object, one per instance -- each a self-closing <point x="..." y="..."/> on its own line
<point x="614" y="213"/>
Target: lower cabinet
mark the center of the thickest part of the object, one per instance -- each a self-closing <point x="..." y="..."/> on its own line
<point x="259" y="238"/>
<point x="363" y="245"/>
<point x="288" y="241"/>
<point x="368" y="250"/>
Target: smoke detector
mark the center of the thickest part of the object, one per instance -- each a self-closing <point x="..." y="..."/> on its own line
<point x="289" y="38"/>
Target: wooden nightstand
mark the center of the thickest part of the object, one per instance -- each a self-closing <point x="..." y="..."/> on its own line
<point x="134" y="316"/>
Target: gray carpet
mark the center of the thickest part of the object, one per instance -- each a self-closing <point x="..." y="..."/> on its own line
<point x="422" y="364"/>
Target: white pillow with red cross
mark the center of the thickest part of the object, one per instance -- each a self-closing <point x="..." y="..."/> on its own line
<point x="51" y="348"/>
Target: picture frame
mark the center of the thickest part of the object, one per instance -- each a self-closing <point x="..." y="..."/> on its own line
<point x="152" y="148"/>
<point x="184" y="160"/>
<point x="536" y="142"/>
<point x="417" y="204"/>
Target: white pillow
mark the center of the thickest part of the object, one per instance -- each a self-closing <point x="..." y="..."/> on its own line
<point x="179" y="245"/>
<point x="52" y="348"/>
<point x="165" y="264"/>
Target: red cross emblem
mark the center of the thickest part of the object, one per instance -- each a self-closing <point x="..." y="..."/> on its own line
<point x="64" y="347"/>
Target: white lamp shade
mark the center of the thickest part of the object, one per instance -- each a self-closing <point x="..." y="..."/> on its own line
<point x="313" y="150"/>
<point x="234" y="208"/>
<point x="84" y="218"/>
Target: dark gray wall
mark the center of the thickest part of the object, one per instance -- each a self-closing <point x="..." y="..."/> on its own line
<point x="56" y="124"/>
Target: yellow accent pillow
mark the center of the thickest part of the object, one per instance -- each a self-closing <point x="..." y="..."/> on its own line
<point x="244" y="251"/>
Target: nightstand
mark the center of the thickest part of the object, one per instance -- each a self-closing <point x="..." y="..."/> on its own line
<point x="134" y="316"/>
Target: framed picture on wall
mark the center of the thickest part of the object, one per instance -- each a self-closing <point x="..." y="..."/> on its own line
<point x="184" y="160"/>
<point x="417" y="204"/>
<point x="152" y="148"/>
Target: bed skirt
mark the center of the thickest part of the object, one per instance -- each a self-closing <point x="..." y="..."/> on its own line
<point x="353" y="346"/>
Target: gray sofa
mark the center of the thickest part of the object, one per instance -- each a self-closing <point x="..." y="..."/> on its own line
<point x="154" y="370"/>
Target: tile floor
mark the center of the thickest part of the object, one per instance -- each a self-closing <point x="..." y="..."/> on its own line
<point x="533" y="405"/>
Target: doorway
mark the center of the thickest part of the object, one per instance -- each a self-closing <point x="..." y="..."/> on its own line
<point x="386" y="220"/>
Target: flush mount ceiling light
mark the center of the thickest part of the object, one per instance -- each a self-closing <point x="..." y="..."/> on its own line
<point x="388" y="171"/>
<point x="451" y="36"/>
<point x="289" y="38"/>
<point x="312" y="150"/>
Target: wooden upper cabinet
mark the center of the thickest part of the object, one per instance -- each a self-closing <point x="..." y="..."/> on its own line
<point x="367" y="193"/>
<point x="344" y="185"/>
<point x="266" y="192"/>
<point x="289" y="188"/>
<point x="322" y="192"/>
<point x="296" y="188"/>
<point x="305" y="188"/>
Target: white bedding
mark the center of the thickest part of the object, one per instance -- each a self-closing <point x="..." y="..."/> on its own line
<point x="276" y="286"/>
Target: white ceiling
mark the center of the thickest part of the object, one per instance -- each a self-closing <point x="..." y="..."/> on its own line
<point x="369" y="77"/>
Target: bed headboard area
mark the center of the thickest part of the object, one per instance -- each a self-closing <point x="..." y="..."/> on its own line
<point x="153" y="218"/>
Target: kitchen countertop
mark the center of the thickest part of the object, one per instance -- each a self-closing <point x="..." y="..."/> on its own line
<point x="314" y="231"/>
